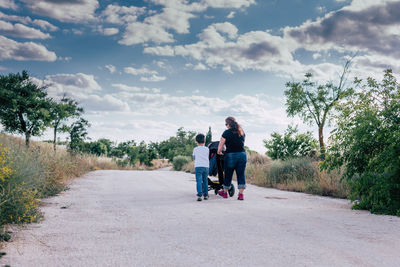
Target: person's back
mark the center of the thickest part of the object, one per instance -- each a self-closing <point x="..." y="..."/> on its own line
<point x="201" y="165"/>
<point x="200" y="156"/>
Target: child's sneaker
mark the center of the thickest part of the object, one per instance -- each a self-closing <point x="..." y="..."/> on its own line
<point x="205" y="197"/>
<point x="198" y="198"/>
<point x="222" y="193"/>
<point x="240" y="196"/>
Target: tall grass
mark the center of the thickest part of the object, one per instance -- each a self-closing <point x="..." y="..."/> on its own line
<point x="27" y="175"/>
<point x="300" y="175"/>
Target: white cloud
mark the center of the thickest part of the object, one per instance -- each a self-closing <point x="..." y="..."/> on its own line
<point x="127" y="88"/>
<point x="107" y="31"/>
<point x="229" y="3"/>
<point x="110" y="31"/>
<point x="24" y="20"/>
<point x="141" y="71"/>
<point x="10" y="49"/>
<point x="175" y="15"/>
<point x="153" y="78"/>
<point x="103" y="103"/>
<point x="231" y="15"/>
<point x="171" y="18"/>
<point x="199" y="66"/>
<point x="122" y="14"/>
<point x="316" y="55"/>
<point x="64" y="10"/>
<point x="83" y="87"/>
<point x="74" y="84"/>
<point x="45" y="25"/>
<point x="77" y="31"/>
<point x="111" y="68"/>
<point x="361" y="26"/>
<point x="221" y="46"/>
<point x="137" y="32"/>
<point x="321" y="9"/>
<point x="21" y="31"/>
<point x="9" y="4"/>
<point x="160" y="50"/>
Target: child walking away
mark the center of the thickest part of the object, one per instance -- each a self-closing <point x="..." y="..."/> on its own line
<point x="201" y="165"/>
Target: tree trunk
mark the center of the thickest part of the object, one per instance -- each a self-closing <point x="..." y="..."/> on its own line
<point x="27" y="138"/>
<point x="321" y="140"/>
<point x="55" y="138"/>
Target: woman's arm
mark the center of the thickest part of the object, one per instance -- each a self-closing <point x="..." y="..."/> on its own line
<point x="221" y="145"/>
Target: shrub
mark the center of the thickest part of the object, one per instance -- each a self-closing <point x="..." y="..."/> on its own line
<point x="301" y="174"/>
<point x="291" y="144"/>
<point x="366" y="142"/>
<point x="188" y="167"/>
<point x="179" y="161"/>
<point x="300" y="169"/>
<point x="28" y="174"/>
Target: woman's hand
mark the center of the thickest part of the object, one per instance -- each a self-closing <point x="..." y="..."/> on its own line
<point x="220" y="146"/>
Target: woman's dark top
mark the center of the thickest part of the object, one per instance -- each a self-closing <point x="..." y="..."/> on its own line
<point x="233" y="142"/>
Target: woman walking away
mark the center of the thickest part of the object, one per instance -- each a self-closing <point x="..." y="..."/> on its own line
<point x="235" y="156"/>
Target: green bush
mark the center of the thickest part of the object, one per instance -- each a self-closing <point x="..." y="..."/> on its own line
<point x="366" y="142"/>
<point x="300" y="169"/>
<point x="179" y="161"/>
<point x="291" y="144"/>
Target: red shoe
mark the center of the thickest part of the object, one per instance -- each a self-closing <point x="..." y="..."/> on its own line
<point x="222" y="193"/>
<point x="241" y="196"/>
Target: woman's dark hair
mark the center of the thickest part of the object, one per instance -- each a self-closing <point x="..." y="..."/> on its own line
<point x="234" y="126"/>
<point x="200" y="138"/>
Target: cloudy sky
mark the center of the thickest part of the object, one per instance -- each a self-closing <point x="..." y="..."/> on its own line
<point x="142" y="69"/>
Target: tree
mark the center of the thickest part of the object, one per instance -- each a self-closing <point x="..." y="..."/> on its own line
<point x="146" y="154"/>
<point x="108" y="144"/>
<point x="97" y="148"/>
<point x="78" y="133"/>
<point x="181" y="144"/>
<point x="60" y="112"/>
<point x="314" y="103"/>
<point x="24" y="106"/>
<point x="291" y="144"/>
<point x="366" y="143"/>
<point x="209" y="136"/>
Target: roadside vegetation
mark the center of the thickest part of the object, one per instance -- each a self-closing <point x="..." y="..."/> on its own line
<point x="30" y="174"/>
<point x="360" y="161"/>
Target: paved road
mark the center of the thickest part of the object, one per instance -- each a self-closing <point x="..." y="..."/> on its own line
<point x="132" y="218"/>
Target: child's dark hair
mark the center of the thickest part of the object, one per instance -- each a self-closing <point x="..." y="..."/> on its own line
<point x="200" y="138"/>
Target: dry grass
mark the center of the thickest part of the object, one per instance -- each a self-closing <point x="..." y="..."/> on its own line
<point x="300" y="175"/>
<point x="188" y="167"/>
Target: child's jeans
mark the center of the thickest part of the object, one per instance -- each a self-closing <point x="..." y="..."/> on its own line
<point x="201" y="181"/>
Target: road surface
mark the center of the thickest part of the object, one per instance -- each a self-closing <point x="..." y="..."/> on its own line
<point x="152" y="218"/>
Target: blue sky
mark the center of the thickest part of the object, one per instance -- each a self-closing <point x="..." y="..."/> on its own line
<point x="142" y="69"/>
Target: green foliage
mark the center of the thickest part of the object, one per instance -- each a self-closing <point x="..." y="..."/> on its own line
<point x="291" y="144"/>
<point x="97" y="148"/>
<point x="313" y="102"/>
<point x="60" y="112"/>
<point x="181" y="144"/>
<point x="300" y="169"/>
<point x="366" y="141"/>
<point x="179" y="161"/>
<point x="146" y="153"/>
<point x="78" y="133"/>
<point x="108" y="144"/>
<point x="209" y="136"/>
<point x="24" y="106"/>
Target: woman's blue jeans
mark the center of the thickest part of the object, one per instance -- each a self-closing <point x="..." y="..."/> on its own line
<point x="235" y="161"/>
<point x="201" y="181"/>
